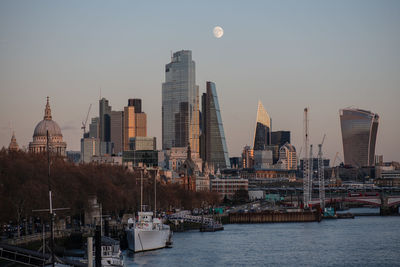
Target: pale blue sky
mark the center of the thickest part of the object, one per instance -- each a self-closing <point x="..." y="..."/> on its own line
<point x="289" y="54"/>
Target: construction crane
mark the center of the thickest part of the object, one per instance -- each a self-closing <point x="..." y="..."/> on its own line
<point x="321" y="178"/>
<point x="307" y="173"/>
<point x="84" y="123"/>
<point x="333" y="165"/>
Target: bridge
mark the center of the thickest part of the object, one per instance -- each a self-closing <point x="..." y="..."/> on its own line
<point x="389" y="201"/>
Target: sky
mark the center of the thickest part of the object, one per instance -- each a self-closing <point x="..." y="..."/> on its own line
<point x="325" y="55"/>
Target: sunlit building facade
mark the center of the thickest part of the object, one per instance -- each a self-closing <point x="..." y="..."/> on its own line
<point x="262" y="133"/>
<point x="135" y="122"/>
<point x="214" y="150"/>
<point x="359" y="131"/>
<point x="180" y="103"/>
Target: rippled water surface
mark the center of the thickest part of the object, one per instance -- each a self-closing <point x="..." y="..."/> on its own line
<point x="363" y="241"/>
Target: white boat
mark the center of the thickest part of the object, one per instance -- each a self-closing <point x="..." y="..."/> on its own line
<point x="147" y="233"/>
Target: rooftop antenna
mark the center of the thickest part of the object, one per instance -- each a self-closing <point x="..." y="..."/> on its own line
<point x="100" y="94"/>
<point x="171" y="55"/>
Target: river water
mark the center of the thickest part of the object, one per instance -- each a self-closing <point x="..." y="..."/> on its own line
<point x="363" y="241"/>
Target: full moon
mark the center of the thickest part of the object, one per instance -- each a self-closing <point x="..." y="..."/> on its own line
<point x="218" y="32"/>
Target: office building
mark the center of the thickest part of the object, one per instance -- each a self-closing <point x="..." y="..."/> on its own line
<point x="288" y="157"/>
<point x="105" y="120"/>
<point x="213" y="144"/>
<point x="280" y="138"/>
<point x="359" y="131"/>
<point x="142" y="151"/>
<point x="247" y="157"/>
<point x="89" y="147"/>
<point x="262" y="133"/>
<point x="180" y="103"/>
<point x="94" y="128"/>
<point x="135" y="121"/>
<point x="117" y="133"/>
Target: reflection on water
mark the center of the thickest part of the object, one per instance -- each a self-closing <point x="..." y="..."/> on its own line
<point x="363" y="241"/>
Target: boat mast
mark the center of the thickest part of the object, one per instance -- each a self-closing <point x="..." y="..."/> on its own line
<point x="50" y="200"/>
<point x="155" y="194"/>
<point x="141" y="191"/>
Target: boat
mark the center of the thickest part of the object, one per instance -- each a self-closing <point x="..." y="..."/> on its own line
<point x="147" y="233"/>
<point x="212" y="227"/>
<point x="111" y="254"/>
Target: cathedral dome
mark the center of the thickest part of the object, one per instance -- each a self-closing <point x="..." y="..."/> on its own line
<point x="47" y="124"/>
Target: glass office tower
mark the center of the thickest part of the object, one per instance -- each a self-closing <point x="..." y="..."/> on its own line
<point x="359" y="130"/>
<point x="262" y="134"/>
<point x="213" y="144"/>
<point x="180" y="103"/>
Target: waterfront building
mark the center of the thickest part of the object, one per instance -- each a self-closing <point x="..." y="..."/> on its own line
<point x="89" y="147"/>
<point x="280" y="138"/>
<point x="56" y="143"/>
<point x="117" y="133"/>
<point x="359" y="130"/>
<point x="247" y="157"/>
<point x="13" y="146"/>
<point x="214" y="150"/>
<point x="105" y="120"/>
<point x="262" y="133"/>
<point x="227" y="187"/>
<point x="180" y="103"/>
<point x="94" y="128"/>
<point x="135" y="121"/>
<point x="288" y="157"/>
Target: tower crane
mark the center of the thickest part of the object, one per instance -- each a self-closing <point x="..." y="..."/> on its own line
<point x="307" y="171"/>
<point x="84" y="123"/>
<point x="321" y="178"/>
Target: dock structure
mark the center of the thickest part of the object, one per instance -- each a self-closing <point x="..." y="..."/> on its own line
<point x="275" y="217"/>
<point x="28" y="257"/>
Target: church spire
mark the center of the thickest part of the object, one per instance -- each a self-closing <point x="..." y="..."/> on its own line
<point x="13" y="144"/>
<point x="47" y="111"/>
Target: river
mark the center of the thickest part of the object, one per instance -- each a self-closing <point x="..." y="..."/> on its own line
<point x="363" y="241"/>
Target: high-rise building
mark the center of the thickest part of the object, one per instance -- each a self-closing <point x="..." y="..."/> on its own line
<point x="247" y="157"/>
<point x="117" y="133"/>
<point x="94" y="128"/>
<point x="359" y="130"/>
<point x="262" y="133"/>
<point x="288" y="157"/>
<point x="280" y="138"/>
<point x="135" y="122"/>
<point x="89" y="147"/>
<point x="105" y="120"/>
<point x="180" y="103"/>
<point x="213" y="144"/>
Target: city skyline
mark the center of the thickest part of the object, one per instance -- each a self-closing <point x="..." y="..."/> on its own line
<point x="344" y="55"/>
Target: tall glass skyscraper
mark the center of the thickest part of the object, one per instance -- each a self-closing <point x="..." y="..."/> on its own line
<point x="105" y="117"/>
<point x="262" y="134"/>
<point x="213" y="144"/>
<point x="180" y="103"/>
<point x="359" y="130"/>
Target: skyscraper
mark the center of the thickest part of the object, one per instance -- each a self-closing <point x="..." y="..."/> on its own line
<point x="135" y="121"/>
<point x="213" y="144"/>
<point x="280" y="138"/>
<point x="262" y="134"/>
<point x="180" y="103"/>
<point x="359" y="130"/>
<point x="94" y="128"/>
<point x="105" y="117"/>
<point x="117" y="133"/>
